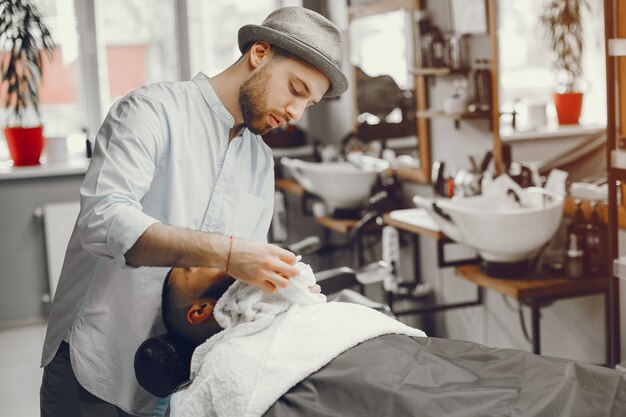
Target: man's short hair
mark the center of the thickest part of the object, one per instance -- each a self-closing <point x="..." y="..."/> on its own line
<point x="279" y="53"/>
<point x="175" y="313"/>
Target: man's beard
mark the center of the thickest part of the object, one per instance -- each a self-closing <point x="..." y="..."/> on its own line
<point x="253" y="101"/>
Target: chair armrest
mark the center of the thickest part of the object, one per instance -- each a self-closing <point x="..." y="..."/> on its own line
<point x="336" y="279"/>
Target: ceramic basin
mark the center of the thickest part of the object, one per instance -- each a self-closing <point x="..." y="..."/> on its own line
<point x="500" y="228"/>
<point x="344" y="185"/>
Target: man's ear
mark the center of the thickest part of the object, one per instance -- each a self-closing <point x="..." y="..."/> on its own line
<point x="199" y="312"/>
<point x="258" y="51"/>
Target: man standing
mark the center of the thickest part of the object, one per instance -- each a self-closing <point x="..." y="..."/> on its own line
<point x="179" y="177"/>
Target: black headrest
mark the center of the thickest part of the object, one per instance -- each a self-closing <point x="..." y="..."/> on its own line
<point x="162" y="365"/>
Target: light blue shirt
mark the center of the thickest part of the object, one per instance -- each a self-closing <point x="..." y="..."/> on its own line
<point x="161" y="155"/>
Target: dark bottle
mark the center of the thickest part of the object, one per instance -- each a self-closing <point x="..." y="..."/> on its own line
<point x="454" y="51"/>
<point x="521" y="174"/>
<point x="578" y="225"/>
<point x="574" y="263"/>
<point x="426" y="40"/>
<point x="438" y="48"/>
<point x="482" y="85"/>
<point x="574" y="258"/>
<point x="595" y="245"/>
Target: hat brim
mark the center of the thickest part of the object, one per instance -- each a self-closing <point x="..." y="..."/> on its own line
<point x="255" y="33"/>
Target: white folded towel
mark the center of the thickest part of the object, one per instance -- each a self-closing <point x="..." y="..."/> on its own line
<point x="270" y="342"/>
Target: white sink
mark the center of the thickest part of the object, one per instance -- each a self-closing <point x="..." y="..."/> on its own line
<point x="344" y="185"/>
<point x="501" y="229"/>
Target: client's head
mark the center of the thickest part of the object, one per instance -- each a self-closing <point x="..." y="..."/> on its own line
<point x="188" y="298"/>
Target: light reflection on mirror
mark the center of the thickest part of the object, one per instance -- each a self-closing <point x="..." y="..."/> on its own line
<point x="527" y="78"/>
<point x="380" y="51"/>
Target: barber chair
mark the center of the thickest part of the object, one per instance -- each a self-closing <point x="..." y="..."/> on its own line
<point x="162" y="364"/>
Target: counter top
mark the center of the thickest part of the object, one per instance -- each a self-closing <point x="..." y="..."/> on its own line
<point x="77" y="166"/>
<point x="533" y="287"/>
<point x="295" y="152"/>
<point x="509" y="135"/>
<point x="415" y="220"/>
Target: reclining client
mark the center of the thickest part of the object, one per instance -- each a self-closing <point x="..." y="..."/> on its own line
<point x="292" y="353"/>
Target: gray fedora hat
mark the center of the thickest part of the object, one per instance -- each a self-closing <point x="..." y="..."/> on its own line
<point x="306" y="34"/>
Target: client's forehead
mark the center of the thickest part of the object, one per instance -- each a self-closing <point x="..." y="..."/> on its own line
<point x="193" y="282"/>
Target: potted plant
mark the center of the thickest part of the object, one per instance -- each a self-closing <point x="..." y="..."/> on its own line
<point x="24" y="38"/>
<point x="563" y="23"/>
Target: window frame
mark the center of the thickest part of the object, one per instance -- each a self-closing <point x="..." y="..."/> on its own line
<point x="90" y="76"/>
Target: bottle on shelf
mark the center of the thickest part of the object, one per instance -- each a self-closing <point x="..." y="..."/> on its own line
<point x="454" y="51"/>
<point x="438" y="48"/>
<point x="426" y="40"/>
<point x="574" y="263"/>
<point x="595" y="244"/>
<point x="482" y="86"/>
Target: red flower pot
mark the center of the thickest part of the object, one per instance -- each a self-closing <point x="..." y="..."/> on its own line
<point x="568" y="107"/>
<point x="25" y="144"/>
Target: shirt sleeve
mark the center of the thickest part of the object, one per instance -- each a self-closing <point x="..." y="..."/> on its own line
<point x="128" y="148"/>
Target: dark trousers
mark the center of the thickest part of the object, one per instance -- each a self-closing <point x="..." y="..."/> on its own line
<point x="61" y="394"/>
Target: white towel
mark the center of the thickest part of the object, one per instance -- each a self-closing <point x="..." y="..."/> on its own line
<point x="270" y="342"/>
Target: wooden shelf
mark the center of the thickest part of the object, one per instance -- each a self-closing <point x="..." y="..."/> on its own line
<point x="289" y="186"/>
<point x="422" y="231"/>
<point x="431" y="114"/>
<point x="457" y="117"/>
<point x="342" y="226"/>
<point x="618" y="172"/>
<point x="539" y="287"/>
<point x="410" y="174"/>
<point x="438" y="71"/>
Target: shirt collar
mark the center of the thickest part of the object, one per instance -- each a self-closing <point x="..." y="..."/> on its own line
<point x="210" y="96"/>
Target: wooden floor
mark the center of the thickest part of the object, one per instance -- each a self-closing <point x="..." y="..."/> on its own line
<point x="20" y="375"/>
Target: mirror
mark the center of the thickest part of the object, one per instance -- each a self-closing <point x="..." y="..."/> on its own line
<point x="529" y="124"/>
<point x="381" y="53"/>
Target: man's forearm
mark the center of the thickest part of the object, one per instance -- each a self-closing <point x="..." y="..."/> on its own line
<point x="257" y="263"/>
<point x="164" y="245"/>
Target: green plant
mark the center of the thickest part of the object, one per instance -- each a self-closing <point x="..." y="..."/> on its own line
<point x="563" y="23"/>
<point x="23" y="38"/>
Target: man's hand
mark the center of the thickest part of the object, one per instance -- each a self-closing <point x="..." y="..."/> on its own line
<point x="315" y="289"/>
<point x="263" y="265"/>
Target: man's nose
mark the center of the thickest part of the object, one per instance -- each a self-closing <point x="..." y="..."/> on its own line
<point x="296" y="109"/>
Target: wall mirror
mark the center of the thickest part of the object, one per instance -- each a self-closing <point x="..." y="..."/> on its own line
<point x="382" y="43"/>
<point x="528" y="81"/>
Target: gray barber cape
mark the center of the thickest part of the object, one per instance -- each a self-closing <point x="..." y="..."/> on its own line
<point x="398" y="376"/>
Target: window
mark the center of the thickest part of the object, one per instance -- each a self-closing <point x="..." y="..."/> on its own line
<point x="213" y="28"/>
<point x="107" y="48"/>
<point x="138" y="38"/>
<point x="526" y="61"/>
<point x="59" y="94"/>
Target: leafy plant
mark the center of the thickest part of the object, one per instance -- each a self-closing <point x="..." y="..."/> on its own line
<point x="23" y="38"/>
<point x="563" y="23"/>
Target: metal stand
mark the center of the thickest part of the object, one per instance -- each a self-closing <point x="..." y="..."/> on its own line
<point x="613" y="50"/>
<point x="442" y="263"/>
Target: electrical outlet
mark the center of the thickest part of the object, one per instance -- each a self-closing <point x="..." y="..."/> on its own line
<point x="391" y="255"/>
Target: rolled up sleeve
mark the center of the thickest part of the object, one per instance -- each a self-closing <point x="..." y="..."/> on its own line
<point x="128" y="148"/>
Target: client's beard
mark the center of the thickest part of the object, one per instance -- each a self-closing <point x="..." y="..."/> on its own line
<point x="253" y="100"/>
